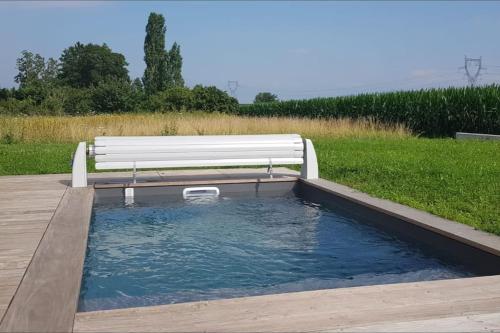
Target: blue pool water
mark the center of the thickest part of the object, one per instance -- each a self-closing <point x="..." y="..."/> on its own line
<point x="178" y="251"/>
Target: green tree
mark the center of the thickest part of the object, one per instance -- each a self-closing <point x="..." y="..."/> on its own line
<point x="5" y="94"/>
<point x="35" y="76"/>
<point x="175" y="66"/>
<point x="137" y="85"/>
<point x="138" y="95"/>
<point x="265" y="97"/>
<point x="155" y="75"/>
<point x="87" y="65"/>
<point x="32" y="68"/>
<point x="51" y="71"/>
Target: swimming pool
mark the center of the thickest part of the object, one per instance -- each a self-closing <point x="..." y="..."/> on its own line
<point x="165" y="249"/>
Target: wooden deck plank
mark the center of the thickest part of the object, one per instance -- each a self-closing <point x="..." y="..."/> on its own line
<point x="489" y="322"/>
<point x="29" y="193"/>
<point x="8" y="273"/>
<point x="14" y="262"/>
<point x="22" y="232"/>
<point x="306" y="311"/>
<point x="11" y="278"/>
<point x="37" y="204"/>
<point x="20" y="212"/>
<point x="6" y="293"/>
<point x="28" y="241"/>
<point x="46" y="299"/>
<point x="26" y="218"/>
<point x="14" y="229"/>
<point x="17" y="252"/>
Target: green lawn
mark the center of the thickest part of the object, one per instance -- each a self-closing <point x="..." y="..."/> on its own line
<point x="459" y="180"/>
<point x="35" y="158"/>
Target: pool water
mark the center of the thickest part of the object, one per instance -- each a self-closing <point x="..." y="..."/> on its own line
<point x="180" y="250"/>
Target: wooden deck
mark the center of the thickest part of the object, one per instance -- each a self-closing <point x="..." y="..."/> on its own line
<point x="46" y="299"/>
<point x="27" y="215"/>
<point x="405" y="305"/>
<point x="27" y="204"/>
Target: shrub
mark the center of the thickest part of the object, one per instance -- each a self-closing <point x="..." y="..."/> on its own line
<point x="200" y="98"/>
<point x="432" y="112"/>
<point x="5" y="94"/>
<point x="212" y="99"/>
<point x="8" y="139"/>
<point x="112" y="96"/>
<point x="77" y="101"/>
<point x="37" y="91"/>
<point x="13" y="106"/>
<point x="172" y="99"/>
<point x="178" y="98"/>
<point x="53" y="104"/>
<point x="265" y="97"/>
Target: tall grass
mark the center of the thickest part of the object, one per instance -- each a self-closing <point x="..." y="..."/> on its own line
<point x="432" y="112"/>
<point x="66" y="129"/>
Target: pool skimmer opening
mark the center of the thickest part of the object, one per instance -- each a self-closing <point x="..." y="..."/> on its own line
<point x="191" y="192"/>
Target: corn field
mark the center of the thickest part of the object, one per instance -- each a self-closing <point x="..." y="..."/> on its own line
<point x="430" y="112"/>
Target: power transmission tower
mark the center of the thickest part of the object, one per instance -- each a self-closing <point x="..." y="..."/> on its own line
<point x="233" y="86"/>
<point x="473" y="68"/>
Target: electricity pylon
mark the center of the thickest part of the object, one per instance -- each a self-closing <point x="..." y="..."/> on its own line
<point x="473" y="68"/>
<point x="233" y="86"/>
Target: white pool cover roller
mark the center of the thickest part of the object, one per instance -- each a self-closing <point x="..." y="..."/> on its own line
<point x="142" y="152"/>
<point x="309" y="169"/>
<point x="79" y="166"/>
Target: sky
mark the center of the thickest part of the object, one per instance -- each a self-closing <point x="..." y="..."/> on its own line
<point x="297" y="49"/>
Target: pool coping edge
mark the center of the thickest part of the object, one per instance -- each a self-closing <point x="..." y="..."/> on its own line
<point x="457" y="231"/>
<point x="46" y="299"/>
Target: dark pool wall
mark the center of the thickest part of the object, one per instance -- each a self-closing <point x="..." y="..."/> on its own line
<point x="152" y="194"/>
<point x="450" y="250"/>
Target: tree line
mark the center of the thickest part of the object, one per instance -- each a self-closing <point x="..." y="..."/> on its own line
<point x="91" y="78"/>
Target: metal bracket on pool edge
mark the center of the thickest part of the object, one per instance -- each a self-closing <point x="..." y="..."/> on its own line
<point x="134" y="174"/>
<point x="129" y="195"/>
<point x="129" y="191"/>
<point x="270" y="168"/>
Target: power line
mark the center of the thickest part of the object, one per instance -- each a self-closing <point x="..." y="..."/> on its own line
<point x="437" y="81"/>
<point x="473" y="67"/>
<point x="404" y="81"/>
<point x="233" y="87"/>
<point x="380" y="85"/>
